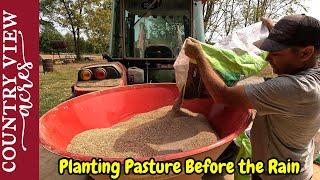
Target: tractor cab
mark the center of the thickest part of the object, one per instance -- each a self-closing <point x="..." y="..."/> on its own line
<point x="154" y="29"/>
<point x="146" y="37"/>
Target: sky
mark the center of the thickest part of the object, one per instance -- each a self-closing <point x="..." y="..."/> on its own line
<point x="313" y="10"/>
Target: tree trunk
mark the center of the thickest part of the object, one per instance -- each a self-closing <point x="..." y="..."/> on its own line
<point x="247" y="14"/>
<point x="76" y="48"/>
<point x="78" y="45"/>
<point x="77" y="52"/>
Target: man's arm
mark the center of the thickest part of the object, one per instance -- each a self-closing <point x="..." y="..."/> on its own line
<point x="216" y="87"/>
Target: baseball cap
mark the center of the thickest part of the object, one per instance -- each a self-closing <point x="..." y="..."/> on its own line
<point x="292" y="31"/>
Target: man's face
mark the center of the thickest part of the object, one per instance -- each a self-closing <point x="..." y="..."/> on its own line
<point x="285" y="61"/>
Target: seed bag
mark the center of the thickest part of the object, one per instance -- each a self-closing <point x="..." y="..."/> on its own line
<point x="232" y="57"/>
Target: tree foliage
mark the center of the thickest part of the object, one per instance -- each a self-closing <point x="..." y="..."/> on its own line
<point x="221" y="17"/>
<point x="68" y="14"/>
<point x="50" y="34"/>
<point x="90" y="17"/>
<point x="98" y="24"/>
<point x="164" y="30"/>
<point x="47" y="35"/>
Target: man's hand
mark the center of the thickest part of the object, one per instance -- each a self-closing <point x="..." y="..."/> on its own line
<point x="193" y="48"/>
<point x="234" y="96"/>
<point x="267" y="22"/>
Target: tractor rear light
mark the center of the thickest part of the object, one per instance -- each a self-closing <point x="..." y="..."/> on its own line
<point x="100" y="73"/>
<point x="85" y="74"/>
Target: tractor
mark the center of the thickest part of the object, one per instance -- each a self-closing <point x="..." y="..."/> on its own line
<point x="146" y="38"/>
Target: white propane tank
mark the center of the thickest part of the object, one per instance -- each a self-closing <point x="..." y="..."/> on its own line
<point x="135" y="75"/>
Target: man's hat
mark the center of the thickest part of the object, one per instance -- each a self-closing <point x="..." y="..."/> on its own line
<point x="292" y="31"/>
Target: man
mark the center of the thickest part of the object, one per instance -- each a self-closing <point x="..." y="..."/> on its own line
<point x="288" y="106"/>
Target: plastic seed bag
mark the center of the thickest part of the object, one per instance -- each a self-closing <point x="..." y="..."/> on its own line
<point x="233" y="57"/>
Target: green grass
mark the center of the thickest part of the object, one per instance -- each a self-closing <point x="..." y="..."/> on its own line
<point x="55" y="87"/>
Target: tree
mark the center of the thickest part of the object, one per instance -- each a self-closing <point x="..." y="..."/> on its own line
<point x="69" y="39"/>
<point x="84" y="45"/>
<point x="88" y="47"/>
<point x="68" y="14"/>
<point x="165" y="29"/>
<point x="270" y="8"/>
<point x="221" y="17"/>
<point x="98" y="25"/>
<point x="48" y="34"/>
